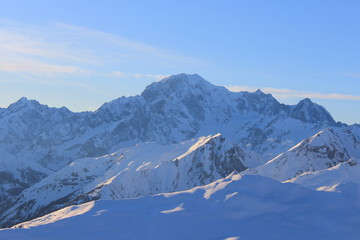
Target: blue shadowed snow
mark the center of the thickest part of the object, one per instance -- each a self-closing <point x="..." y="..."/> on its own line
<point x="253" y="207"/>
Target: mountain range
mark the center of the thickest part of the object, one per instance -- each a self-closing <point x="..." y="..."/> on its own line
<point x="180" y="133"/>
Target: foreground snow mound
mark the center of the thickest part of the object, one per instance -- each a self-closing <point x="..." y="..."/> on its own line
<point x="251" y="207"/>
<point x="324" y="150"/>
<point x="141" y="170"/>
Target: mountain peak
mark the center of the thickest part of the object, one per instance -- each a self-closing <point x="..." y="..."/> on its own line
<point x="191" y="78"/>
<point x="306" y="101"/>
<point x="180" y="85"/>
<point x="185" y="80"/>
<point x="25" y="100"/>
<point x="22" y="103"/>
<point x="308" y="111"/>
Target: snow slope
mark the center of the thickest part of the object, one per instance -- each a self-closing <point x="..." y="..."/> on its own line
<point x="251" y="207"/>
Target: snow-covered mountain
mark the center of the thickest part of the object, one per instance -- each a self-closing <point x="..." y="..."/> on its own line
<point x="324" y="150"/>
<point x="141" y="170"/>
<point x="175" y="109"/>
<point x="27" y="126"/>
<point x="154" y="142"/>
<point x="251" y="207"/>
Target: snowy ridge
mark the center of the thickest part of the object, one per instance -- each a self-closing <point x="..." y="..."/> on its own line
<point x="331" y="179"/>
<point x="141" y="170"/>
<point x="324" y="150"/>
<point x="58" y="215"/>
<point x="249" y="207"/>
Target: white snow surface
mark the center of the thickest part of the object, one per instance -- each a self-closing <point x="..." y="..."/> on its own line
<point x="259" y="208"/>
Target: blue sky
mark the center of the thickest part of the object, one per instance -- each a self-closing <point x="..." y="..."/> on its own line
<point x="83" y="53"/>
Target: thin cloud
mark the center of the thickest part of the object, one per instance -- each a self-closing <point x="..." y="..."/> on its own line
<point x="17" y="42"/>
<point x="36" y="67"/>
<point x="60" y="48"/>
<point x="28" y="79"/>
<point x="126" y="46"/>
<point x="79" y="85"/>
<point x="289" y="93"/>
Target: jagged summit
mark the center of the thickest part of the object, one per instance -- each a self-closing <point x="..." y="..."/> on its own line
<point x="308" y="111"/>
<point x="180" y="86"/>
<point x="259" y="92"/>
<point x="167" y="87"/>
<point x="25" y="101"/>
<point x="191" y="79"/>
<point x="22" y="103"/>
